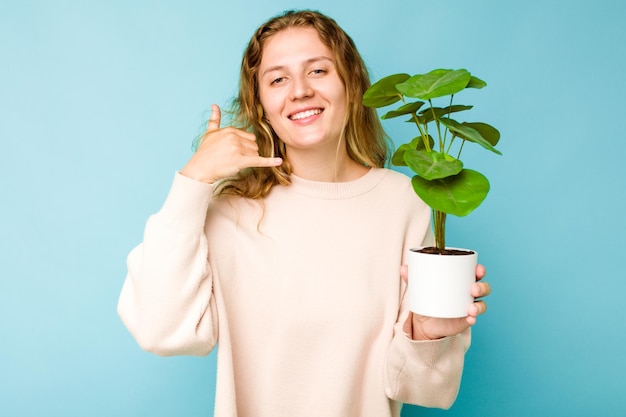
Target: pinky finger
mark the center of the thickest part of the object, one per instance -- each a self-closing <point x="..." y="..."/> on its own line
<point x="262" y="162"/>
<point x="478" y="308"/>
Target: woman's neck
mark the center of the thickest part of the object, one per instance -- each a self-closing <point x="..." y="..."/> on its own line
<point x="325" y="168"/>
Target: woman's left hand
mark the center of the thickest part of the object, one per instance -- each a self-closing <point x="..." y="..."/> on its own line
<point x="430" y="328"/>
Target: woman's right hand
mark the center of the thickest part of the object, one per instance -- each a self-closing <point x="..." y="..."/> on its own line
<point x="224" y="152"/>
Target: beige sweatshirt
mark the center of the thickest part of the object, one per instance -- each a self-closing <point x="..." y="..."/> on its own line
<point x="304" y="298"/>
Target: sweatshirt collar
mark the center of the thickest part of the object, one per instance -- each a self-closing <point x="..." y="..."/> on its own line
<point x="338" y="190"/>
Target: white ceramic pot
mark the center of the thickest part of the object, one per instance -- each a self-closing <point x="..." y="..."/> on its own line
<point x="440" y="285"/>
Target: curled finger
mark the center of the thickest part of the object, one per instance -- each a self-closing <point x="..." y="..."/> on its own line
<point x="478" y="308"/>
<point x="481" y="289"/>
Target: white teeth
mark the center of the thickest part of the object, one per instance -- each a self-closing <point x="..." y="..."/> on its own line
<point x="304" y="114"/>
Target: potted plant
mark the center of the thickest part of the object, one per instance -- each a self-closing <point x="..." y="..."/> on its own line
<point x="440" y="180"/>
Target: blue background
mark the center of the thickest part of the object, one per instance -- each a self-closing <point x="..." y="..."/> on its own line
<point x="99" y="104"/>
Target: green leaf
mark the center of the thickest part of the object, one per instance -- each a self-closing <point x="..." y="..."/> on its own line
<point x="437" y="83"/>
<point x="421" y="145"/>
<point x="426" y="115"/>
<point x="420" y="120"/>
<point x="476" y="82"/>
<point x="398" y="156"/>
<point x="408" y="108"/>
<point x="432" y="165"/>
<point x="488" y="132"/>
<point x="416" y="143"/>
<point x="466" y="132"/>
<point x="458" y="195"/>
<point x="384" y="92"/>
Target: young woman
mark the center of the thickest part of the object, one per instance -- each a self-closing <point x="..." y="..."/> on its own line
<point x="283" y="238"/>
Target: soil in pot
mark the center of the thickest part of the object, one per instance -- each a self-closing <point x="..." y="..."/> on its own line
<point x="432" y="250"/>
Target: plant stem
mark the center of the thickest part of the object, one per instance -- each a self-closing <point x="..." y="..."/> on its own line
<point x="439" y="226"/>
<point x="450" y="145"/>
<point x="441" y="144"/>
<point x="423" y="134"/>
<point x="460" y="149"/>
<point x="445" y="134"/>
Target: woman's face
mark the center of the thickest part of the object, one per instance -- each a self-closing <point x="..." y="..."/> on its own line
<point x="300" y="90"/>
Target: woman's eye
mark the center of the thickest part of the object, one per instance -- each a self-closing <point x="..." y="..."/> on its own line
<point x="278" y="80"/>
<point x="318" y="71"/>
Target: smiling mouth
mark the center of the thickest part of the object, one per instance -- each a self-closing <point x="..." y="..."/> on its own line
<point x="304" y="114"/>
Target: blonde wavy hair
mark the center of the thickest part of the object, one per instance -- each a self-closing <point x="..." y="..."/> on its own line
<point x="364" y="136"/>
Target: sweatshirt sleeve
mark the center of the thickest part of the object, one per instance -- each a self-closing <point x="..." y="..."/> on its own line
<point x="425" y="373"/>
<point x="167" y="300"/>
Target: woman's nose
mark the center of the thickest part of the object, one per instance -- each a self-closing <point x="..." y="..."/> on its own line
<point x="301" y="88"/>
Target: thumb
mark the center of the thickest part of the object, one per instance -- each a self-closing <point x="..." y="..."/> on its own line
<point x="214" y="120"/>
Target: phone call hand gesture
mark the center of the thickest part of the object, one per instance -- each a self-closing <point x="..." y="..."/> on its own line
<point x="224" y="152"/>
